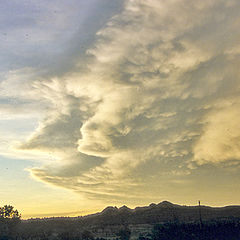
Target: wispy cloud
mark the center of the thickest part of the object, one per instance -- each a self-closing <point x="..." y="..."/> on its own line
<point x="158" y="95"/>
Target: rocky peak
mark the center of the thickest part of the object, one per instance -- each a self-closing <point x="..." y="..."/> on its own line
<point x="110" y="209"/>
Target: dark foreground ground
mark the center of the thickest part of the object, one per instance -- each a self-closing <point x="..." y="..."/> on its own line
<point x="211" y="230"/>
<point x="164" y="221"/>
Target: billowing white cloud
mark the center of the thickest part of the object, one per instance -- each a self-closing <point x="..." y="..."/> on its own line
<point x="160" y="88"/>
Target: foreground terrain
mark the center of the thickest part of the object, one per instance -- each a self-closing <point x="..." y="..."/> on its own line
<point x="156" y="221"/>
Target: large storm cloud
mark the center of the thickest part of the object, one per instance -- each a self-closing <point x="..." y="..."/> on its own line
<point x="157" y="99"/>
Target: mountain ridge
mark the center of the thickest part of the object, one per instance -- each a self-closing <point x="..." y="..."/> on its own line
<point x="139" y="223"/>
<point x="164" y="211"/>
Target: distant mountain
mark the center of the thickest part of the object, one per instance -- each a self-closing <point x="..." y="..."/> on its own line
<point x="159" y="213"/>
<point x="112" y="223"/>
<point x="155" y="213"/>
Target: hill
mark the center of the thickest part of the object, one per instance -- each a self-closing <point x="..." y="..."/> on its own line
<point x="159" y="213"/>
<point x="121" y="223"/>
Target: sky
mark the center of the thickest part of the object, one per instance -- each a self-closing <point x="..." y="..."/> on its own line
<point x="118" y="102"/>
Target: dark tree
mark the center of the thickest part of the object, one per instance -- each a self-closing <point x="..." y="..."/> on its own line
<point x="124" y="234"/>
<point x="9" y="219"/>
<point x="8" y="211"/>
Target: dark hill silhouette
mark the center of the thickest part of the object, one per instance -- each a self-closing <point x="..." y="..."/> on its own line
<point x="157" y="213"/>
<point x="114" y="222"/>
<point x="154" y="213"/>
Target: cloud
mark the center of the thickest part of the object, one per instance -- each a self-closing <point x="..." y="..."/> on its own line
<point x="160" y="88"/>
<point x="220" y="139"/>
